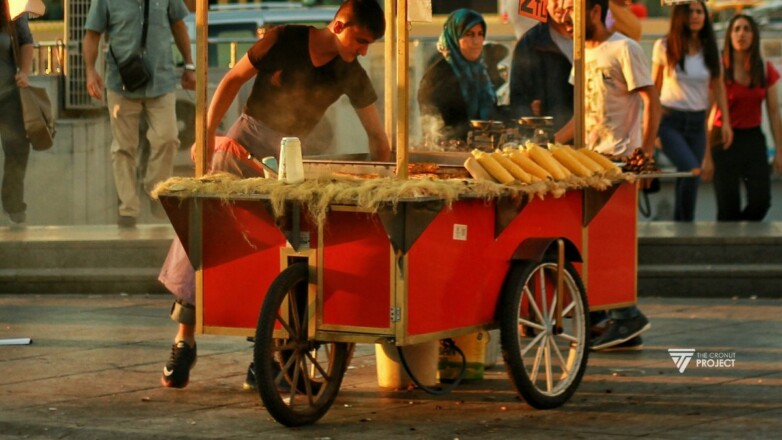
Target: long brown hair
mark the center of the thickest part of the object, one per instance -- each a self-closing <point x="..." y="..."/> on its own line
<point x="3" y="14"/>
<point x="679" y="34"/>
<point x="757" y="71"/>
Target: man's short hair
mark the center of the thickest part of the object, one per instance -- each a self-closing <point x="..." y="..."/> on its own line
<point x="364" y="13"/>
<point x="603" y="8"/>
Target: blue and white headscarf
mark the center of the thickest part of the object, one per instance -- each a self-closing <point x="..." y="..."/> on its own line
<point x="477" y="89"/>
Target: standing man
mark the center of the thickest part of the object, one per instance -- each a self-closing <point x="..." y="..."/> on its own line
<point x="620" y="94"/>
<point x="540" y="72"/>
<point x="123" y="21"/>
<point x="299" y="72"/>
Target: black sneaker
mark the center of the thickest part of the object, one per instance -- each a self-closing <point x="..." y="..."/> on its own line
<point x="635" y="344"/>
<point x="621" y="330"/>
<point x="176" y="373"/>
<point x="249" y="380"/>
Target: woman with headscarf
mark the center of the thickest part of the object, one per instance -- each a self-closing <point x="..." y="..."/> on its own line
<point x="457" y="88"/>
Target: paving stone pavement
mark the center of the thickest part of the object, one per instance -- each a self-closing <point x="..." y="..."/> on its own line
<point x="93" y="370"/>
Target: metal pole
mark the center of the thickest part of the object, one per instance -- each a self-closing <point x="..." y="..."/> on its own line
<point x="402" y="101"/>
<point x="390" y="77"/>
<point x="201" y="62"/>
<point x="579" y="22"/>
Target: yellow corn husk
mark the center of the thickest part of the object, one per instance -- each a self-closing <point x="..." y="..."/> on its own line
<point x="609" y="167"/>
<point x="476" y="170"/>
<point x="588" y="162"/>
<point x="512" y="168"/>
<point x="522" y="159"/>
<point x="493" y="167"/>
<point x="571" y="162"/>
<point x="545" y="159"/>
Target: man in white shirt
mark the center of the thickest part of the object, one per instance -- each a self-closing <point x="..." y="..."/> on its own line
<point x="618" y="82"/>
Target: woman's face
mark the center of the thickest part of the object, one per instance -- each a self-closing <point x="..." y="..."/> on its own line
<point x="471" y="43"/>
<point x="741" y="35"/>
<point x="697" y="16"/>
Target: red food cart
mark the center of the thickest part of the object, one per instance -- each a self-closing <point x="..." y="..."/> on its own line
<point x="415" y="269"/>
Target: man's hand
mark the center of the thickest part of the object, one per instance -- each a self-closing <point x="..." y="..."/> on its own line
<point x="188" y="80"/>
<point x="95" y="85"/>
<point x="22" y="80"/>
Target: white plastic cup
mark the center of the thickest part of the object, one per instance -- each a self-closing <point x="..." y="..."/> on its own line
<point x="291" y="165"/>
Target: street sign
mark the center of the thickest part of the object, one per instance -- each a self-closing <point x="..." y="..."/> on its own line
<point x="534" y="9"/>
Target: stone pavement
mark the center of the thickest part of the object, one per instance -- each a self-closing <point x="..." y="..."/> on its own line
<point x="93" y="371"/>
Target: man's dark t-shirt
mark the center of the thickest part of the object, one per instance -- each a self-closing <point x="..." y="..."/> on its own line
<point x="294" y="101"/>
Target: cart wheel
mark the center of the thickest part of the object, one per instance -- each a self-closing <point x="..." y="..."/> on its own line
<point x="298" y="379"/>
<point x="544" y="364"/>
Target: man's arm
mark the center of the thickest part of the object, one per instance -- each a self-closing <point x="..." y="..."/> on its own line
<point x="523" y="90"/>
<point x="379" y="148"/>
<point x="652" y="115"/>
<point x="90" y="54"/>
<point x="223" y="97"/>
<point x="182" y="40"/>
<point x="566" y="133"/>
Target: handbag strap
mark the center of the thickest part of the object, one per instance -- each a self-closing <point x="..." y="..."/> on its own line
<point x="144" y="28"/>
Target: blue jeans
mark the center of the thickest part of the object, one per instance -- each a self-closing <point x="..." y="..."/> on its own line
<point x="683" y="136"/>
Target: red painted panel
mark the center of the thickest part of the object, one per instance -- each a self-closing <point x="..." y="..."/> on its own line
<point x="449" y="277"/>
<point x="612" y="250"/>
<point x="455" y="283"/>
<point x="356" y="271"/>
<point x="241" y="259"/>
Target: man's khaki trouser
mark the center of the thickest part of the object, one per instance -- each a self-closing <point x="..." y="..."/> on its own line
<point x="163" y="136"/>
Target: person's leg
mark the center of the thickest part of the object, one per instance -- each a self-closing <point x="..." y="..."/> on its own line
<point x="757" y="177"/>
<point x="16" y="150"/>
<point x="163" y="136"/>
<point x="124" y="115"/>
<point x="695" y="136"/>
<point x="178" y="276"/>
<point x="627" y="324"/>
<point x="677" y="149"/>
<point x="727" y="179"/>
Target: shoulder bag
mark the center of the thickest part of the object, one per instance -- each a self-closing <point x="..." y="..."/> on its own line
<point x="133" y="71"/>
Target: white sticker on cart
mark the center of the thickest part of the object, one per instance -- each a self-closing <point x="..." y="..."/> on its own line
<point x="460" y="232"/>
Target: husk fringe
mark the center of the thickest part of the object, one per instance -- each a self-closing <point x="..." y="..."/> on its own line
<point x="369" y="194"/>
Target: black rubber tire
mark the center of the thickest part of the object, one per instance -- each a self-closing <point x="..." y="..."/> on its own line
<point x="524" y="326"/>
<point x="280" y="363"/>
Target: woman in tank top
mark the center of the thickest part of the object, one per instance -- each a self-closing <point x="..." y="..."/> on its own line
<point x="686" y="71"/>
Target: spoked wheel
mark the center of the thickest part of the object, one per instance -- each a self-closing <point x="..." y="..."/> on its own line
<point x="298" y="379"/>
<point x="545" y="364"/>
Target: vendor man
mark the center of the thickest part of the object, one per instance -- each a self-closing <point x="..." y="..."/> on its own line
<point x="299" y="72"/>
<point x="620" y="94"/>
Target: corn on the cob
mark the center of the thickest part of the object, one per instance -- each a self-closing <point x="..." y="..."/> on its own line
<point x="571" y="162"/>
<point x="521" y="159"/>
<point x="476" y="170"/>
<point x="545" y="159"/>
<point x="493" y="167"/>
<point x="609" y="167"/>
<point x="587" y="161"/>
<point x="512" y="168"/>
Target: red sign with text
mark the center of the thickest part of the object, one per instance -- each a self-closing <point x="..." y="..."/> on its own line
<point x="534" y="9"/>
